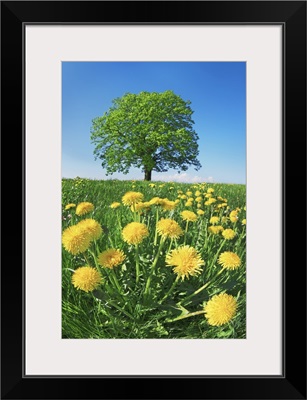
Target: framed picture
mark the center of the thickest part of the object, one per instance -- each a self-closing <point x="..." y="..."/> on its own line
<point x="240" y="334"/>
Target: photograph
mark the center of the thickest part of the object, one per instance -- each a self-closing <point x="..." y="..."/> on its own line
<point x="153" y="200"/>
<point x="146" y="132"/>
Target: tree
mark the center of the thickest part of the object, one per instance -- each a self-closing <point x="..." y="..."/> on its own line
<point x="149" y="130"/>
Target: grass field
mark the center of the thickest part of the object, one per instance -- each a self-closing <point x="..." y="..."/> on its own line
<point x="169" y="274"/>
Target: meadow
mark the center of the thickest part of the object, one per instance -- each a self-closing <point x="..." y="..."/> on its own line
<point x="153" y="260"/>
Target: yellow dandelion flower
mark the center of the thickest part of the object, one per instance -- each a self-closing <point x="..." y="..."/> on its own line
<point x="208" y="195"/>
<point x="90" y="227"/>
<point x="183" y="197"/>
<point x="199" y="205"/>
<point x="198" y="199"/>
<point x="156" y="201"/>
<point x="233" y="216"/>
<point x="168" y="205"/>
<point x="188" y="216"/>
<point x="130" y="198"/>
<point x="75" y="240"/>
<point x="210" y="201"/>
<point x="188" y="204"/>
<point x="229" y="260"/>
<point x="185" y="260"/>
<point x="86" y="278"/>
<point x="135" y="233"/>
<point x="70" y="205"/>
<point x="84" y="208"/>
<point x="214" y="220"/>
<point x="111" y="258"/>
<point x="215" y="229"/>
<point x="179" y="191"/>
<point x="115" y="204"/>
<point x="177" y="201"/>
<point x="169" y="228"/>
<point x="200" y="212"/>
<point x="228" y="234"/>
<point x="222" y="205"/>
<point x="220" y="309"/>
<point x="244" y="221"/>
<point x="197" y="193"/>
<point x="210" y="190"/>
<point x="189" y="193"/>
<point x="152" y="185"/>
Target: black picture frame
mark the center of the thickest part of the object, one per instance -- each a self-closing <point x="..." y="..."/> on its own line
<point x="292" y="16"/>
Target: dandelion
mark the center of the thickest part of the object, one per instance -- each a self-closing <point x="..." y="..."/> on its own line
<point x="130" y="198"/>
<point x="200" y="212"/>
<point x="189" y="193"/>
<point x="168" y="205"/>
<point x="152" y="185"/>
<point x="198" y="199"/>
<point x="183" y="197"/>
<point x="188" y="204"/>
<point x="244" y="221"/>
<point x="210" y="201"/>
<point x="111" y="258"/>
<point x="90" y="227"/>
<point x="156" y="201"/>
<point x="228" y="234"/>
<point x="229" y="260"/>
<point x="197" y="193"/>
<point x="186" y="261"/>
<point x="135" y="233"/>
<point x="215" y="229"/>
<point x="115" y="204"/>
<point x="70" y="205"/>
<point x="75" y="240"/>
<point x="86" y="278"/>
<point x="169" y="228"/>
<point x="188" y="216"/>
<point x="214" y="220"/>
<point x="233" y="216"/>
<point x="210" y="190"/>
<point x="84" y="208"/>
<point x="220" y="309"/>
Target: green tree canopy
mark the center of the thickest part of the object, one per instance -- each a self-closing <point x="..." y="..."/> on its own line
<point x="152" y="131"/>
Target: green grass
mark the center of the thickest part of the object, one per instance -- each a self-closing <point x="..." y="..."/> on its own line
<point x="129" y="312"/>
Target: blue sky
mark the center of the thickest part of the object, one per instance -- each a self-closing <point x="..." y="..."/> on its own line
<point x="217" y="91"/>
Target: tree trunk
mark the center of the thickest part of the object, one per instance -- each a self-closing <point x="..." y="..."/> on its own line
<point x="147" y="176"/>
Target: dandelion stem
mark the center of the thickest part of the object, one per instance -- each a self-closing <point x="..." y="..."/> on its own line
<point x="218" y="252"/>
<point x="118" y="220"/>
<point x="137" y="263"/>
<point x="186" y="316"/>
<point x="116" y="281"/>
<point x="171" y="289"/>
<point x="170" y="245"/>
<point x="201" y="288"/>
<point x="156" y="232"/>
<point x="185" y="232"/>
<point x="153" y="266"/>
